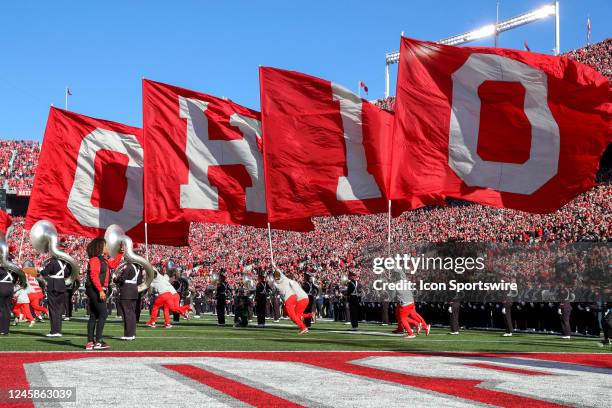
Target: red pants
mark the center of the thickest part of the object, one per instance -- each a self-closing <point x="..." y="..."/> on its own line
<point x="295" y="310"/>
<point x="35" y="299"/>
<point x="23" y="309"/>
<point x="408" y="316"/>
<point x="170" y="303"/>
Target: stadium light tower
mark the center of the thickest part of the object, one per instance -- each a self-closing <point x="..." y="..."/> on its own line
<point x="491" y="30"/>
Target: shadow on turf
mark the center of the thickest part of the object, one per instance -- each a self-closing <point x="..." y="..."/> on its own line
<point x="65" y="343"/>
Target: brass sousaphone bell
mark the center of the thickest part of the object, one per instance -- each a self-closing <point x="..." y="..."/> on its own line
<point x="43" y="237"/>
<point x="115" y="238"/>
<point x="6" y="263"/>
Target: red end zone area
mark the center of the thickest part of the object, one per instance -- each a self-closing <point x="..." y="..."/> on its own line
<point x="313" y="378"/>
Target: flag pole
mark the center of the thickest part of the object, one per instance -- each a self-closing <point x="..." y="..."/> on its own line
<point x="270" y="243"/>
<point x="66" y="98"/>
<point x="359" y="89"/>
<point x="147" y="240"/>
<point x="21" y="245"/>
<point x="389" y="230"/>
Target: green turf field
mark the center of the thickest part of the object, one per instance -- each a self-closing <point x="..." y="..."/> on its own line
<point x="204" y="335"/>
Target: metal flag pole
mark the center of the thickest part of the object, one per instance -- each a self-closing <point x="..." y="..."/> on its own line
<point x="270" y="243"/>
<point x="389" y="230"/>
<point x="147" y="240"/>
<point x="21" y="245"/>
<point x="66" y="98"/>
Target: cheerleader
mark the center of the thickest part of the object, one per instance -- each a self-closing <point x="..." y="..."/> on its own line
<point x="168" y="298"/>
<point x="35" y="294"/>
<point x="21" y="309"/>
<point x="295" y="299"/>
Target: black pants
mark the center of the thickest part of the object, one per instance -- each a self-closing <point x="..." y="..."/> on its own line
<point x="260" y="310"/>
<point x="221" y="310"/>
<point x="508" y="317"/>
<point x="57" y="308"/>
<point x="97" y="316"/>
<point x="5" y="312"/>
<point x="308" y="320"/>
<point x="276" y="310"/>
<point x="454" y="318"/>
<point x="385" y="312"/>
<point x="606" y="324"/>
<point x="354" y="311"/>
<point x="566" y="311"/>
<point x="138" y="306"/>
<point x="128" y="311"/>
<point x="68" y="310"/>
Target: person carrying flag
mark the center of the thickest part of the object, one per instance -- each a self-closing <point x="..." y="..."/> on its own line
<point x="295" y="299"/>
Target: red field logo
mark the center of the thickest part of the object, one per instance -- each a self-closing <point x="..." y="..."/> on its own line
<point x="313" y="378"/>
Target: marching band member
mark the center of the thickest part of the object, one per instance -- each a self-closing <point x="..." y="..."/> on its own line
<point x="221" y="294"/>
<point x="353" y="293"/>
<point x="296" y="300"/>
<point x="96" y="288"/>
<point x="168" y="298"/>
<point x="22" y="305"/>
<point x="127" y="282"/>
<point x="7" y="283"/>
<point x="261" y="297"/>
<point x="35" y="293"/>
<point x="55" y="272"/>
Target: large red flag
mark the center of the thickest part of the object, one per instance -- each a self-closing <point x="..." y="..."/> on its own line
<point x="204" y="161"/>
<point x="89" y="176"/>
<point x="500" y="127"/>
<point x="326" y="150"/>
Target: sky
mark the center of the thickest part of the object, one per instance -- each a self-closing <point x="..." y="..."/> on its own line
<point x="102" y="49"/>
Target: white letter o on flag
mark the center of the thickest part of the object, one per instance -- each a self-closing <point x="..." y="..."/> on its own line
<point x="463" y="158"/>
<point x="79" y="201"/>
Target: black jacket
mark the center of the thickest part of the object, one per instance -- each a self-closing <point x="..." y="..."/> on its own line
<point x="128" y="280"/>
<point x="54" y="273"/>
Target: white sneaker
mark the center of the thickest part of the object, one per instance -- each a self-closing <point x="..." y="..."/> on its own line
<point x="303" y="331"/>
<point x="66" y="319"/>
<point x="566" y="337"/>
<point x="507" y="335"/>
<point x="32" y="323"/>
<point x="454" y="333"/>
<point x="197" y="316"/>
<point x="53" y="335"/>
<point x="167" y="326"/>
<point x="410" y="336"/>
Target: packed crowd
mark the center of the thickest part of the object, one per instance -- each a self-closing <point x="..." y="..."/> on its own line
<point x="18" y="163"/>
<point x="598" y="56"/>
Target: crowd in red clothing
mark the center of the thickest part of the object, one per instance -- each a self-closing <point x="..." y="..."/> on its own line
<point x="598" y="56"/>
<point x="19" y="174"/>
